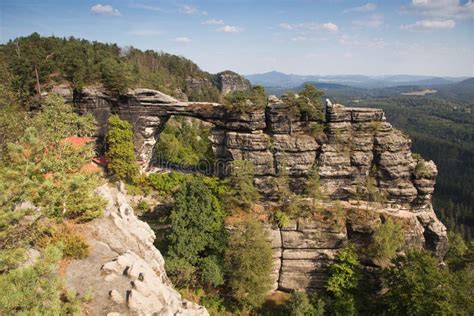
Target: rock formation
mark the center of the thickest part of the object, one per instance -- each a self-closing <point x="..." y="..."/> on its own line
<point x="351" y="148"/>
<point x="229" y="81"/>
<point x="124" y="271"/>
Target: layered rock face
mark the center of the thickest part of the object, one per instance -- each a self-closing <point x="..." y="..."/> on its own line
<point x="229" y="81"/>
<point x="358" y="155"/>
<point x="124" y="271"/>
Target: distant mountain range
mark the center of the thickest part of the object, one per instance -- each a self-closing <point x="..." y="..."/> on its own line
<point x="279" y="79"/>
<point x="362" y="87"/>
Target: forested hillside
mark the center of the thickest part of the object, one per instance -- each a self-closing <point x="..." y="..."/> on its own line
<point x="42" y="62"/>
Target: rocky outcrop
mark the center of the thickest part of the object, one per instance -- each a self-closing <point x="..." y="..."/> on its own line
<point x="305" y="248"/>
<point x="229" y="81"/>
<point x="124" y="271"/>
<point x="358" y="154"/>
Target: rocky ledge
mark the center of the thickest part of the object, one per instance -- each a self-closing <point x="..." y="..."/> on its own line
<point x="124" y="271"/>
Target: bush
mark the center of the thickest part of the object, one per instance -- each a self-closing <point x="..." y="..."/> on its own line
<point x="242" y="193"/>
<point x="281" y="219"/>
<point x="71" y="244"/>
<point x="343" y="275"/>
<point x="385" y="242"/>
<point x="120" y="151"/>
<point x="299" y="305"/>
<point x="166" y="183"/>
<point x="180" y="271"/>
<point x="246" y="101"/>
<point x="421" y="170"/>
<point x="34" y="290"/>
<point x="211" y="271"/>
<point x="249" y="262"/>
<point x="185" y="142"/>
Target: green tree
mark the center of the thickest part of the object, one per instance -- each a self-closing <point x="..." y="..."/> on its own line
<point x="248" y="262"/>
<point x="120" y="150"/>
<point x="385" y="243"/>
<point x="197" y="232"/>
<point x="313" y="188"/>
<point x="116" y="75"/>
<point x="343" y="274"/>
<point x="242" y="192"/>
<point x="300" y="305"/>
<point x="418" y="287"/>
<point x="246" y="101"/>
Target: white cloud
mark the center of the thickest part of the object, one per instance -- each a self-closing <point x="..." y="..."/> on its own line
<point x="329" y="27"/>
<point x="429" y="25"/>
<point x="189" y="9"/>
<point x="230" y="29"/>
<point x="311" y="26"/>
<point x="375" y="21"/>
<point x="368" y="7"/>
<point x="182" y="39"/>
<point x="105" y="9"/>
<point x="213" y="22"/>
<point x="443" y="8"/>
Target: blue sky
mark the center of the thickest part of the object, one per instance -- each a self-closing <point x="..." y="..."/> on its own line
<point x="425" y="37"/>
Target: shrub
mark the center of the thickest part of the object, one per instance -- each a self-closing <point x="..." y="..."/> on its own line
<point x="185" y="142"/>
<point x="249" y="262"/>
<point x="385" y="242"/>
<point x="281" y="219"/>
<point x="242" y="193"/>
<point x="72" y="245"/>
<point x="120" y="150"/>
<point x="246" y="101"/>
<point x="417" y="287"/>
<point x="211" y="271"/>
<point x="143" y="206"/>
<point x="343" y="275"/>
<point x="33" y="290"/>
<point x="298" y="305"/>
<point x="421" y="170"/>
<point x="180" y="271"/>
<point x="166" y="183"/>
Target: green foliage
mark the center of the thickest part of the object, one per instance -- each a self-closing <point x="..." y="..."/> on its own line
<point x="116" y="75"/>
<point x="281" y="219"/>
<point x="71" y="244"/>
<point x="211" y="271"/>
<point x="33" y="290"/>
<point x="421" y="170"/>
<point x="120" y="150"/>
<point x="300" y="305"/>
<point x="418" y="287"/>
<point x="455" y="258"/>
<point x="313" y="188"/>
<point x="343" y="275"/>
<point x="180" y="271"/>
<point x="307" y="104"/>
<point x="242" y="192"/>
<point x="185" y="142"/>
<point x="197" y="232"/>
<point x="246" y="101"/>
<point x="248" y="262"/>
<point x="385" y="243"/>
<point x="167" y="182"/>
<point x="81" y="62"/>
<point x="143" y="206"/>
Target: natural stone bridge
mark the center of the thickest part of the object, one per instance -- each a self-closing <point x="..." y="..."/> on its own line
<point x="355" y="143"/>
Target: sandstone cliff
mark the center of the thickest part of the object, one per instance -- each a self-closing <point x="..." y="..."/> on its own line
<point x="353" y="146"/>
<point x="125" y="272"/>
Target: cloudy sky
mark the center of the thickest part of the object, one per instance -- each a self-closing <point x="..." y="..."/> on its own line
<point x="426" y="37"/>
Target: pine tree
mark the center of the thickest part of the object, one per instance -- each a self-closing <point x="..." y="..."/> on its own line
<point x="120" y="150"/>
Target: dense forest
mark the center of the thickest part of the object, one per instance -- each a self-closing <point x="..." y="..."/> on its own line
<point x="38" y="63"/>
<point x="442" y="131"/>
